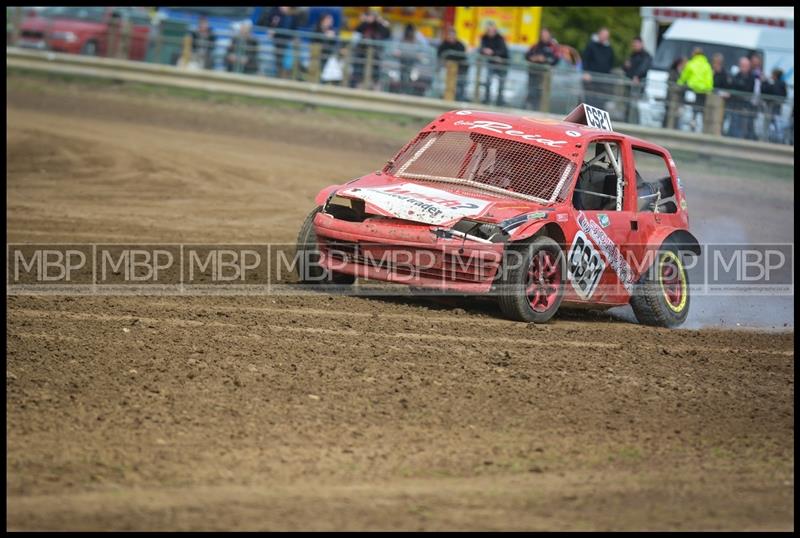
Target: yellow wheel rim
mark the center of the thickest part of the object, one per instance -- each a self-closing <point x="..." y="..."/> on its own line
<point x="672" y="279"/>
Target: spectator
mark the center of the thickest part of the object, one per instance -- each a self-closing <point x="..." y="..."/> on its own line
<point x="638" y="63"/>
<point x="675" y="70"/>
<point x="203" y="41"/>
<point x="757" y="70"/>
<point x="282" y="22"/>
<point x="570" y="57"/>
<point x="408" y="53"/>
<point x="493" y="47"/>
<point x="698" y="76"/>
<point x="598" y="57"/>
<point x="325" y="36"/>
<point x="242" y="53"/>
<point x="775" y="85"/>
<point x="635" y="68"/>
<point x="722" y="79"/>
<point x="774" y="90"/>
<point x="544" y="55"/>
<point x="372" y="28"/>
<point x="740" y="103"/>
<point x="453" y="49"/>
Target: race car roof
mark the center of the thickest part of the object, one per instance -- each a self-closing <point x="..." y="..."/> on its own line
<point x="559" y="136"/>
<point x="556" y="135"/>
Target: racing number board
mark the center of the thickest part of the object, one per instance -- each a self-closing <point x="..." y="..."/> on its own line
<point x="584" y="266"/>
<point x="598" y="118"/>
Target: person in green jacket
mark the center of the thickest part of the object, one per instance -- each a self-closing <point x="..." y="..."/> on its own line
<point x="697" y="76"/>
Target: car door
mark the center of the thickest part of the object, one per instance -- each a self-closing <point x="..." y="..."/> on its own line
<point x="657" y="197"/>
<point x="603" y="218"/>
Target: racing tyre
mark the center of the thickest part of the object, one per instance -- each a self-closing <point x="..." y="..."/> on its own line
<point x="307" y="252"/>
<point x="661" y="297"/>
<point x="532" y="285"/>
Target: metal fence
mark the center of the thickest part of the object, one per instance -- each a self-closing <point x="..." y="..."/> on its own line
<point x="416" y="69"/>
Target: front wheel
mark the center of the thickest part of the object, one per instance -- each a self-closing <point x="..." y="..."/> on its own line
<point x="661" y="297"/>
<point x="309" y="269"/>
<point x="532" y="285"/>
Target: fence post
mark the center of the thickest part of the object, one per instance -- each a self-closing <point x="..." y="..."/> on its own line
<point x="347" y="55"/>
<point x="125" y="39"/>
<point x="295" y="57"/>
<point x="476" y="94"/>
<point x="315" y="65"/>
<point x="547" y="76"/>
<point x="16" y="21"/>
<point x="186" y="53"/>
<point x="713" y="114"/>
<point x="159" y="39"/>
<point x="112" y="50"/>
<point x="673" y="103"/>
<point x="368" y="67"/>
<point x="450" y="80"/>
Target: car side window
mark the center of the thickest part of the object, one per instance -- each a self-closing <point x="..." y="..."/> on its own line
<point x="600" y="178"/>
<point x="654" y="187"/>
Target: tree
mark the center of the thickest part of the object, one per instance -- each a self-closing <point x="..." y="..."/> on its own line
<point x="574" y="26"/>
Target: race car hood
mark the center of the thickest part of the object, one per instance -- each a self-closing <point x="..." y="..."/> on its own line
<point x="432" y="203"/>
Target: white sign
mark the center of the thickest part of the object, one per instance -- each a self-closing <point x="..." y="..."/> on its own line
<point x="418" y="203"/>
<point x="598" y="118"/>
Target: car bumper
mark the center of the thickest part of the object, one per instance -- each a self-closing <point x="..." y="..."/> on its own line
<point x="406" y="253"/>
<point x="26" y="43"/>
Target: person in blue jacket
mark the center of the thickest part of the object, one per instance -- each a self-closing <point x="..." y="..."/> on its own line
<point x="282" y="22"/>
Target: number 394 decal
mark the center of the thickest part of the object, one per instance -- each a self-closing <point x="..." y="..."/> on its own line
<point x="584" y="266"/>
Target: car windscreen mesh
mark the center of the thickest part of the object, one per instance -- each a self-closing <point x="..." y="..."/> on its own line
<point x="485" y="162"/>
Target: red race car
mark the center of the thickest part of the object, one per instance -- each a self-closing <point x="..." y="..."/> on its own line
<point x="535" y="212"/>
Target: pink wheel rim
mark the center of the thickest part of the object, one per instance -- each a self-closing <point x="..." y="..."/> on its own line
<point x="543" y="282"/>
<point x="672" y="283"/>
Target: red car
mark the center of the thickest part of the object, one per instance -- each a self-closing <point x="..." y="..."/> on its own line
<point x="86" y="30"/>
<point x="537" y="213"/>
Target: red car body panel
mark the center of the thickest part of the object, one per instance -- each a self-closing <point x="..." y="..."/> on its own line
<point x="47" y="33"/>
<point x="619" y="235"/>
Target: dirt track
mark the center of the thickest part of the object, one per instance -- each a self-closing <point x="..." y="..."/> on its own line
<point x="324" y="412"/>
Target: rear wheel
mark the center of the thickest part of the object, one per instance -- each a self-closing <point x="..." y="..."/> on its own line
<point x="309" y="269"/>
<point x="532" y="285"/>
<point x="661" y="297"/>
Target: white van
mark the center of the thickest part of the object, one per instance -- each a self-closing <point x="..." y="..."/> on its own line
<point x="732" y="40"/>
